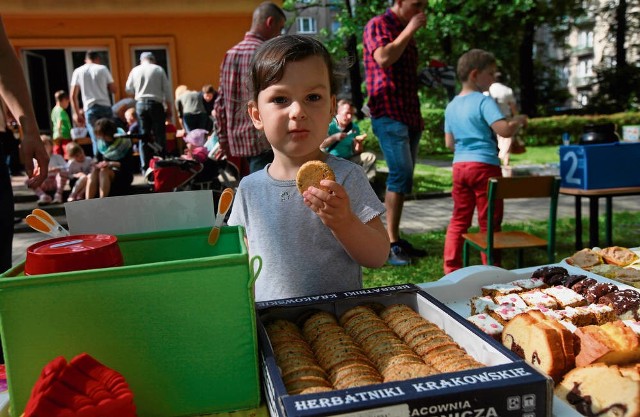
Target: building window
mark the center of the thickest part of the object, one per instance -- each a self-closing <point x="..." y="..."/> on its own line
<point x="585" y="39"/>
<point x="307" y="25"/>
<point x="583" y="99"/>
<point x="585" y="68"/>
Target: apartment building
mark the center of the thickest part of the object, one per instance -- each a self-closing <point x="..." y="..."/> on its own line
<point x="588" y="46"/>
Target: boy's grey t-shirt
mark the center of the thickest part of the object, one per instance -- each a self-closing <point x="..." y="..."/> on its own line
<point x="300" y="255"/>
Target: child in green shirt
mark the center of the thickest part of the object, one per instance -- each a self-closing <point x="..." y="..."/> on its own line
<point x="61" y="123"/>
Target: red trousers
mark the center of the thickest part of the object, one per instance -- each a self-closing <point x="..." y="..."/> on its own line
<point x="469" y="191"/>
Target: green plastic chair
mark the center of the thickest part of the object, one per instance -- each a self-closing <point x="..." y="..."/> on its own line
<point x="516" y="187"/>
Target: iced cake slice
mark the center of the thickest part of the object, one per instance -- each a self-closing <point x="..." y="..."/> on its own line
<point x="482" y="304"/>
<point x="538" y="298"/>
<point x="512" y="299"/>
<point x="565" y="297"/>
<point x="487" y="324"/>
<point x="494" y="290"/>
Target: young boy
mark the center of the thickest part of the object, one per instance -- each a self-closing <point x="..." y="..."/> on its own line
<point x="471" y="123"/>
<point x="61" y="123"/>
<point x="346" y="141"/>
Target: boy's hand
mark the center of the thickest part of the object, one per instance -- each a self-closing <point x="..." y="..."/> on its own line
<point x="333" y="208"/>
<point x="361" y="138"/>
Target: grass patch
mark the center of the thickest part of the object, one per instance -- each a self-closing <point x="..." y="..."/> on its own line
<point x="626" y="232"/>
<point x="429" y="178"/>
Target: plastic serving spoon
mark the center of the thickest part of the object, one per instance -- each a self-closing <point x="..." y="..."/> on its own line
<point x="42" y="221"/>
<point x="224" y="204"/>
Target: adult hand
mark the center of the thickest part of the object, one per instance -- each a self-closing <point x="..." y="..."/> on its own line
<point x="78" y="118"/>
<point x="417" y="21"/>
<point x="33" y="148"/>
<point x="225" y="150"/>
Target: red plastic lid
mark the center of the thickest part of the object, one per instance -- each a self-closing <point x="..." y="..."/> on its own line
<point x="73" y="253"/>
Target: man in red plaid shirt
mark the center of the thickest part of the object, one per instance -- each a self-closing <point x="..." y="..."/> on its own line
<point x="391" y="65"/>
<point x="236" y="133"/>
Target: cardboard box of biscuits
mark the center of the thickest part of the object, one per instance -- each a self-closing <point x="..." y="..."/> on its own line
<point x="389" y="351"/>
<point x="577" y="327"/>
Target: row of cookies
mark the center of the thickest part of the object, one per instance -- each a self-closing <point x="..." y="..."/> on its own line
<point x="338" y="354"/>
<point x="299" y="368"/>
<point x="432" y="343"/>
<point x="369" y="344"/>
<point x="393" y="358"/>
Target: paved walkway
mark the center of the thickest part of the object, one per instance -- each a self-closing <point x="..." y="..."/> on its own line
<point x="419" y="216"/>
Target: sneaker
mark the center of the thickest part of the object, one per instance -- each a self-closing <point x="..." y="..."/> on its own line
<point x="397" y="256"/>
<point x="44" y="199"/>
<point x="410" y="250"/>
<point x="57" y="199"/>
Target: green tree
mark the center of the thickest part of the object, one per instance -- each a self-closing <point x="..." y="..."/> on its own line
<point x="508" y="29"/>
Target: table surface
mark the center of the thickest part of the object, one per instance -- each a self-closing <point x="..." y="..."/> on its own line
<point x="600" y="192"/>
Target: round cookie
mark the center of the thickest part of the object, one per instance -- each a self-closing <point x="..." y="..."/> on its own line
<point x="311" y="173"/>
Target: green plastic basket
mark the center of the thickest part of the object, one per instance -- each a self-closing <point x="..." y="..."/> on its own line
<point x="178" y="321"/>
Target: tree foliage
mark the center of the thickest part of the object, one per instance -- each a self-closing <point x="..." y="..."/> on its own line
<point x="509" y="29"/>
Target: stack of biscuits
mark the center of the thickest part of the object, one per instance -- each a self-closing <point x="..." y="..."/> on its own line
<point x="435" y="346"/>
<point x="391" y="356"/>
<point x="369" y="344"/>
<point x="301" y="373"/>
<point x="344" y="361"/>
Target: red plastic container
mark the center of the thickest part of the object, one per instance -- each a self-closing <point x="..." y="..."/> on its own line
<point x="73" y="253"/>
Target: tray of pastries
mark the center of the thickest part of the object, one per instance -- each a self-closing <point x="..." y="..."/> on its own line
<point x="580" y="328"/>
<point x="615" y="262"/>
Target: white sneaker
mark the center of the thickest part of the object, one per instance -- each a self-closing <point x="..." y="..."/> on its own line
<point x="44" y="199"/>
<point x="57" y="199"/>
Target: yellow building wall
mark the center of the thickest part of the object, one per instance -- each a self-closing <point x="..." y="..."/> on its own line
<point x="196" y="43"/>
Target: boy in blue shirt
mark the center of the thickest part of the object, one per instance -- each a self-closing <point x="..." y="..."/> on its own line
<point x="472" y="121"/>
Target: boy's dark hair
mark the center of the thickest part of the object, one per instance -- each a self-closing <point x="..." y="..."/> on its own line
<point x="269" y="62"/>
<point x="73" y="149"/>
<point x="475" y="59"/>
<point x="208" y="89"/>
<point x="60" y="95"/>
<point x="105" y="127"/>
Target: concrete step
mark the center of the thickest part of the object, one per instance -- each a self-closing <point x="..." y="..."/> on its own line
<point x="25" y="201"/>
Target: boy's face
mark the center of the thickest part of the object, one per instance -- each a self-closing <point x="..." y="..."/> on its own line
<point x="486" y="77"/>
<point x="296" y="111"/>
<point x="64" y="103"/>
<point x="345" y="114"/>
<point x="207" y="97"/>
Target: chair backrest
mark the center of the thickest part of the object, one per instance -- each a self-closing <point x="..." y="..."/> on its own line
<point x="523" y="187"/>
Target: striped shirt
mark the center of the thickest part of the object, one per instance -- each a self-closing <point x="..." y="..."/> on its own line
<point x="393" y="91"/>
<point x="234" y="125"/>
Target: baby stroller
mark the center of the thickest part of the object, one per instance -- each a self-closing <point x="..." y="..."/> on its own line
<point x="202" y="171"/>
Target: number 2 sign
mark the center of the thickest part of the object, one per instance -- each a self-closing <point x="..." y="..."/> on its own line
<point x="569" y="166"/>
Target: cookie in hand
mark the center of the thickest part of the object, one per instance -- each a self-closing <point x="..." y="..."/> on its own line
<point x="311" y="173"/>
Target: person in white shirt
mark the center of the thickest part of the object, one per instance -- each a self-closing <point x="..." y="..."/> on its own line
<point x="94" y="83"/>
<point x="503" y="95"/>
<point x="150" y="86"/>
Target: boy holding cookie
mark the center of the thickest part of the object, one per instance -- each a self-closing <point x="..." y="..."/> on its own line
<point x="313" y="240"/>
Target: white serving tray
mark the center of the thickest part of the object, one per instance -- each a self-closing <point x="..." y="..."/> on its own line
<point x="457" y="288"/>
